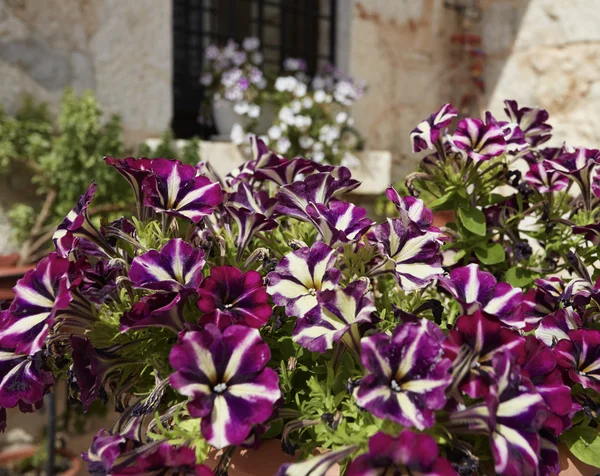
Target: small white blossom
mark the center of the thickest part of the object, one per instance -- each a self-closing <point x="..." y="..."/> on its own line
<point x="302" y="122"/>
<point x="318" y="156"/>
<point x="296" y="106"/>
<point x="274" y="132"/>
<point x="341" y="117"/>
<point x="237" y="135"/>
<point x="253" y="110"/>
<point x="307" y="102"/>
<point x="241" y="108"/>
<point x="320" y="96"/>
<point x="300" y="90"/>
<point x="251" y="43"/>
<point x="287" y="115"/>
<point x="318" y="146"/>
<point x="283" y="145"/>
<point x="306" y="142"/>
<point x="206" y="79"/>
<point x="211" y="52"/>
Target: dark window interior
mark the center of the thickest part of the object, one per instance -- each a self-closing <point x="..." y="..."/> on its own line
<point x="287" y="28"/>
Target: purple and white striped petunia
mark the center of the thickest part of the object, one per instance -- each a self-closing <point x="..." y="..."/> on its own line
<point x="340" y="222"/>
<point x="414" y="255"/>
<point x="579" y="357"/>
<point x="134" y="171"/>
<point x="176" y="189"/>
<point x="477" y="290"/>
<point x="532" y="121"/>
<point x="77" y="225"/>
<point x="410" y="208"/>
<point x="556" y="326"/>
<point x="428" y="132"/>
<point x="472" y="344"/>
<point x="316" y="465"/>
<point x="39" y="295"/>
<point x="228" y="296"/>
<point x="177" y="266"/>
<point x="512" y="416"/>
<point x="408" y="453"/>
<point x="103" y="452"/>
<point x="336" y="317"/>
<point x="300" y="275"/>
<point x="544" y="180"/>
<point x="477" y="140"/>
<point x="24" y="379"/>
<point x="155" y="310"/>
<point x="408" y="374"/>
<point x="540" y="367"/>
<point x="225" y="375"/>
<point x="578" y="166"/>
<point x="283" y="171"/>
<point x="513" y="135"/>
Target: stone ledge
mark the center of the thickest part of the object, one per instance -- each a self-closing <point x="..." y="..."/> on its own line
<point x="373" y="170"/>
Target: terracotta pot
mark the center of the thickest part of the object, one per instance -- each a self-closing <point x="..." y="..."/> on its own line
<point x="262" y="462"/>
<point x="16" y="455"/>
<point x="442" y="218"/>
<point x="10" y="273"/>
<point x="571" y="466"/>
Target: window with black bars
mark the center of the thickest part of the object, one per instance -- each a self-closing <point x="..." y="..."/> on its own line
<point x="286" y="28"/>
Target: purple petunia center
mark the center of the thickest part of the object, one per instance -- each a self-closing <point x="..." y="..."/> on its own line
<point x="395" y="386"/>
<point x="220" y="388"/>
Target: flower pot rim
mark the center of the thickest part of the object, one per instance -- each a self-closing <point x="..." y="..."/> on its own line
<point x="27" y="451"/>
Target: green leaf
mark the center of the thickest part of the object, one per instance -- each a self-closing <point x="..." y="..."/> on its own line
<point x="519" y="277"/>
<point x="493" y="254"/>
<point x="473" y="220"/>
<point x="460" y="254"/>
<point x="584" y="443"/>
<point x="438" y="203"/>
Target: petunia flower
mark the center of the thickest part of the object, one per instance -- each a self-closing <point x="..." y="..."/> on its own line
<point x="24" y="379"/>
<point x="160" y="458"/>
<point x="316" y="465"/>
<point x="472" y="344"/>
<point x="477" y="140"/>
<point x="412" y="254"/>
<point x="540" y="367"/>
<point x="545" y="180"/>
<point x="77" y="226"/>
<point x="340" y="222"/>
<point x="155" y="310"/>
<point x="428" y="132"/>
<point x="103" y="452"/>
<point x="225" y="375"/>
<point x="134" y="171"/>
<point x="283" y="171"/>
<point x="177" y="266"/>
<point x="577" y="166"/>
<point x="229" y="296"/>
<point x="532" y="121"/>
<point x="477" y="290"/>
<point x="408" y="453"/>
<point x="408" y="374"/>
<point x="320" y="188"/>
<point x="300" y="275"/>
<point x="513" y="135"/>
<point x="39" y="295"/>
<point x="92" y="368"/>
<point x="176" y="189"/>
<point x="512" y="416"/>
<point x="579" y="357"/>
<point x="556" y="326"/>
<point x="336" y="317"/>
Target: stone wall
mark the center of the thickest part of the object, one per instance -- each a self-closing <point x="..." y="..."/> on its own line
<point x="547" y="53"/>
<point x="119" y="49"/>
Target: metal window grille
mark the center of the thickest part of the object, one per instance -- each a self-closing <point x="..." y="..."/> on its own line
<point x="286" y="28"/>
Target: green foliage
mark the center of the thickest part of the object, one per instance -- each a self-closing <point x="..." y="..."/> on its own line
<point x="584" y="443"/>
<point x="63" y="157"/>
